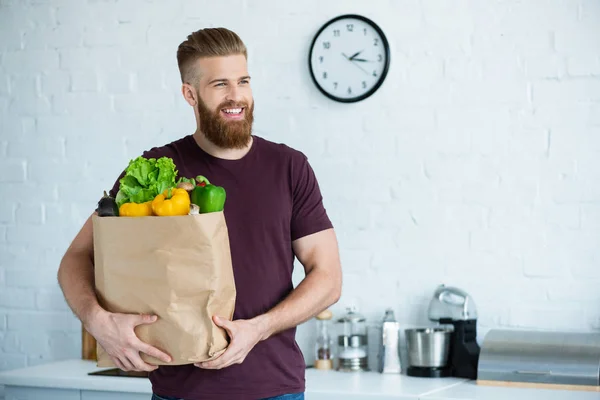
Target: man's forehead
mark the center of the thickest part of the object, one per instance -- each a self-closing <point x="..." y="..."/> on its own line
<point x="226" y="67"/>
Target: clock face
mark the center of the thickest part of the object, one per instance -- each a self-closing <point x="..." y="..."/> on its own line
<point x="349" y="58"/>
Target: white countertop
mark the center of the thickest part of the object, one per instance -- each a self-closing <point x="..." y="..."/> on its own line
<point x="470" y="390"/>
<point x="73" y="374"/>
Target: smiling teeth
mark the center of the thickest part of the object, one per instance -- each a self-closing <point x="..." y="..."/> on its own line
<point x="233" y="110"/>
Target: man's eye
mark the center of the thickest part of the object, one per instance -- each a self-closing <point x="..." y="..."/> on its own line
<point x="220" y="84"/>
<point x="245" y="81"/>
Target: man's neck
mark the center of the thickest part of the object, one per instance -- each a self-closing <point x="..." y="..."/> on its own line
<point x="218" y="152"/>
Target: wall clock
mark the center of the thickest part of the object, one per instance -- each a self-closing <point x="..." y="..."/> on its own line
<point x="349" y="58"/>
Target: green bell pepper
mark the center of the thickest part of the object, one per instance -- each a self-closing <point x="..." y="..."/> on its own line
<point x="208" y="197"/>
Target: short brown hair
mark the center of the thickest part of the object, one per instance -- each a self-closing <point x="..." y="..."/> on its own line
<point x="208" y="42"/>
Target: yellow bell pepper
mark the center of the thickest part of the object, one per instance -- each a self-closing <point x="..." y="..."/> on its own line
<point x="172" y="202"/>
<point x="136" y="209"/>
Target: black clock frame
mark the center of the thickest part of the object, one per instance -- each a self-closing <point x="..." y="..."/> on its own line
<point x="386" y="66"/>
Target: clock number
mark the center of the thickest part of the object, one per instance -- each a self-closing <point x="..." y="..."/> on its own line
<point x="326" y="45"/>
<point x="365" y="31"/>
<point x="336" y="32"/>
<point x="374" y="73"/>
<point x="379" y="57"/>
<point x="321" y="59"/>
<point x="364" y="84"/>
<point x="375" y="42"/>
<point x="350" y="27"/>
<point x="335" y="84"/>
<point x="324" y="75"/>
<point x="349" y="90"/>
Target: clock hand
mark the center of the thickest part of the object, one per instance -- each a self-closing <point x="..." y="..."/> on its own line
<point x="361" y="60"/>
<point x="358" y="66"/>
<point x="354" y="55"/>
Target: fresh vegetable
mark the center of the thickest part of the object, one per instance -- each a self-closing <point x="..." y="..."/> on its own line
<point x="208" y="197"/>
<point x="145" y="178"/>
<point x="187" y="186"/>
<point x="194" y="209"/>
<point x="172" y="202"/>
<point x="107" y="207"/>
<point x="136" y="209"/>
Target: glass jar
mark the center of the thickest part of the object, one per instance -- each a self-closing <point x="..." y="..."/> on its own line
<point x="352" y="342"/>
<point x="324" y="344"/>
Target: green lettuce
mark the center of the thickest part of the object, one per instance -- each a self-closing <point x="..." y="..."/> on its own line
<point x="145" y="178"/>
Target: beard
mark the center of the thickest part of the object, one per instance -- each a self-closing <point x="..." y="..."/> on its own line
<point x="223" y="133"/>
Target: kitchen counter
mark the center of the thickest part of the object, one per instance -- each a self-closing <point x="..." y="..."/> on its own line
<point x="69" y="380"/>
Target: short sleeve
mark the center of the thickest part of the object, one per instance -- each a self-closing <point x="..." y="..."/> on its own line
<point x="308" y="213"/>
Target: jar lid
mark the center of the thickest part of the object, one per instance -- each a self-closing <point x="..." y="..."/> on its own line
<point x="352" y="316"/>
<point x="324" y="315"/>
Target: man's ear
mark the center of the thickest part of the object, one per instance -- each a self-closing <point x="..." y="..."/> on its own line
<point x="189" y="94"/>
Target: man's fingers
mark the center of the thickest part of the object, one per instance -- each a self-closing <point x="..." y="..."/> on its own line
<point x="153" y="351"/>
<point x="145" y="319"/>
<point x="127" y="365"/>
<point x="225" y="324"/>
<point x="118" y="363"/>
<point x="139" y="364"/>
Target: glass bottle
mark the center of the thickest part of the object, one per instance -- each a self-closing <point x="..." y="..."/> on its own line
<point x="324" y="344"/>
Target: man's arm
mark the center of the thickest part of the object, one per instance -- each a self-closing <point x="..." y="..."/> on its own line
<point x="321" y="288"/>
<point x="114" y="332"/>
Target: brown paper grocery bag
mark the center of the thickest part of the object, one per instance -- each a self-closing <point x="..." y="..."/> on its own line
<point x="178" y="268"/>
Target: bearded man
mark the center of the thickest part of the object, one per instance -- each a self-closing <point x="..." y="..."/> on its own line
<point x="274" y="213"/>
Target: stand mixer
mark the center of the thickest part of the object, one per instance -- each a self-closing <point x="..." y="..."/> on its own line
<point x="454" y="349"/>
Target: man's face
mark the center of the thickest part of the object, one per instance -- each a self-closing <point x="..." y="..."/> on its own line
<point x="225" y="103"/>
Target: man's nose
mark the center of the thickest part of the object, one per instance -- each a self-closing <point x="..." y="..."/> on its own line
<point x="234" y="94"/>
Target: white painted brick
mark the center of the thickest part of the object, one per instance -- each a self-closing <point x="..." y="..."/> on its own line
<point x="578" y="41"/>
<point x="11" y="38"/>
<point x="84" y="82"/>
<point x="53" y="82"/>
<point x="547" y="66"/>
<point x="34" y="343"/>
<point x="7" y="214"/>
<point x="51" y="301"/>
<point x="17" y="298"/>
<point x="5" y="85"/>
<point x="9" y="342"/>
<point x="506" y="42"/>
<point x="29" y="213"/>
<point x="584" y="65"/>
<point x="151" y="80"/>
<point x="45" y="236"/>
<point x="24" y="146"/>
<point x="45" y="321"/>
<point x="115" y="82"/>
<point x="128" y="103"/>
<point x="554" y="93"/>
<point x="546" y="318"/>
<point x="2" y="322"/>
<point x="590" y="216"/>
<point x="463" y="69"/>
<point x="63" y="344"/>
<point x="26" y="277"/>
<point x="30" y="104"/>
<point x="13" y="170"/>
<point x="30" y="61"/>
<point x="12" y="361"/>
<point x="53" y="38"/>
<point x="89" y="59"/>
<point x="80" y="103"/>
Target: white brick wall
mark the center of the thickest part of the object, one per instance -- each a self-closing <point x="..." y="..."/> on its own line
<point x="476" y="164"/>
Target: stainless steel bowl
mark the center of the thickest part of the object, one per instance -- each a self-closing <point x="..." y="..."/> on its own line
<point x="428" y="347"/>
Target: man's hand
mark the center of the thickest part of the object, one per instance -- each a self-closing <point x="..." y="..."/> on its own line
<point x="115" y="333"/>
<point x="244" y="335"/>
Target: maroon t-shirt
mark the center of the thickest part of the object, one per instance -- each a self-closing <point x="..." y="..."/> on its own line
<point x="273" y="198"/>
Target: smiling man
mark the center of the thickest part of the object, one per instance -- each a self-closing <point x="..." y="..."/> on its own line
<point x="274" y="214"/>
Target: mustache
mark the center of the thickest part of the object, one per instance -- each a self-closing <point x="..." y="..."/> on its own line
<point x="232" y="104"/>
